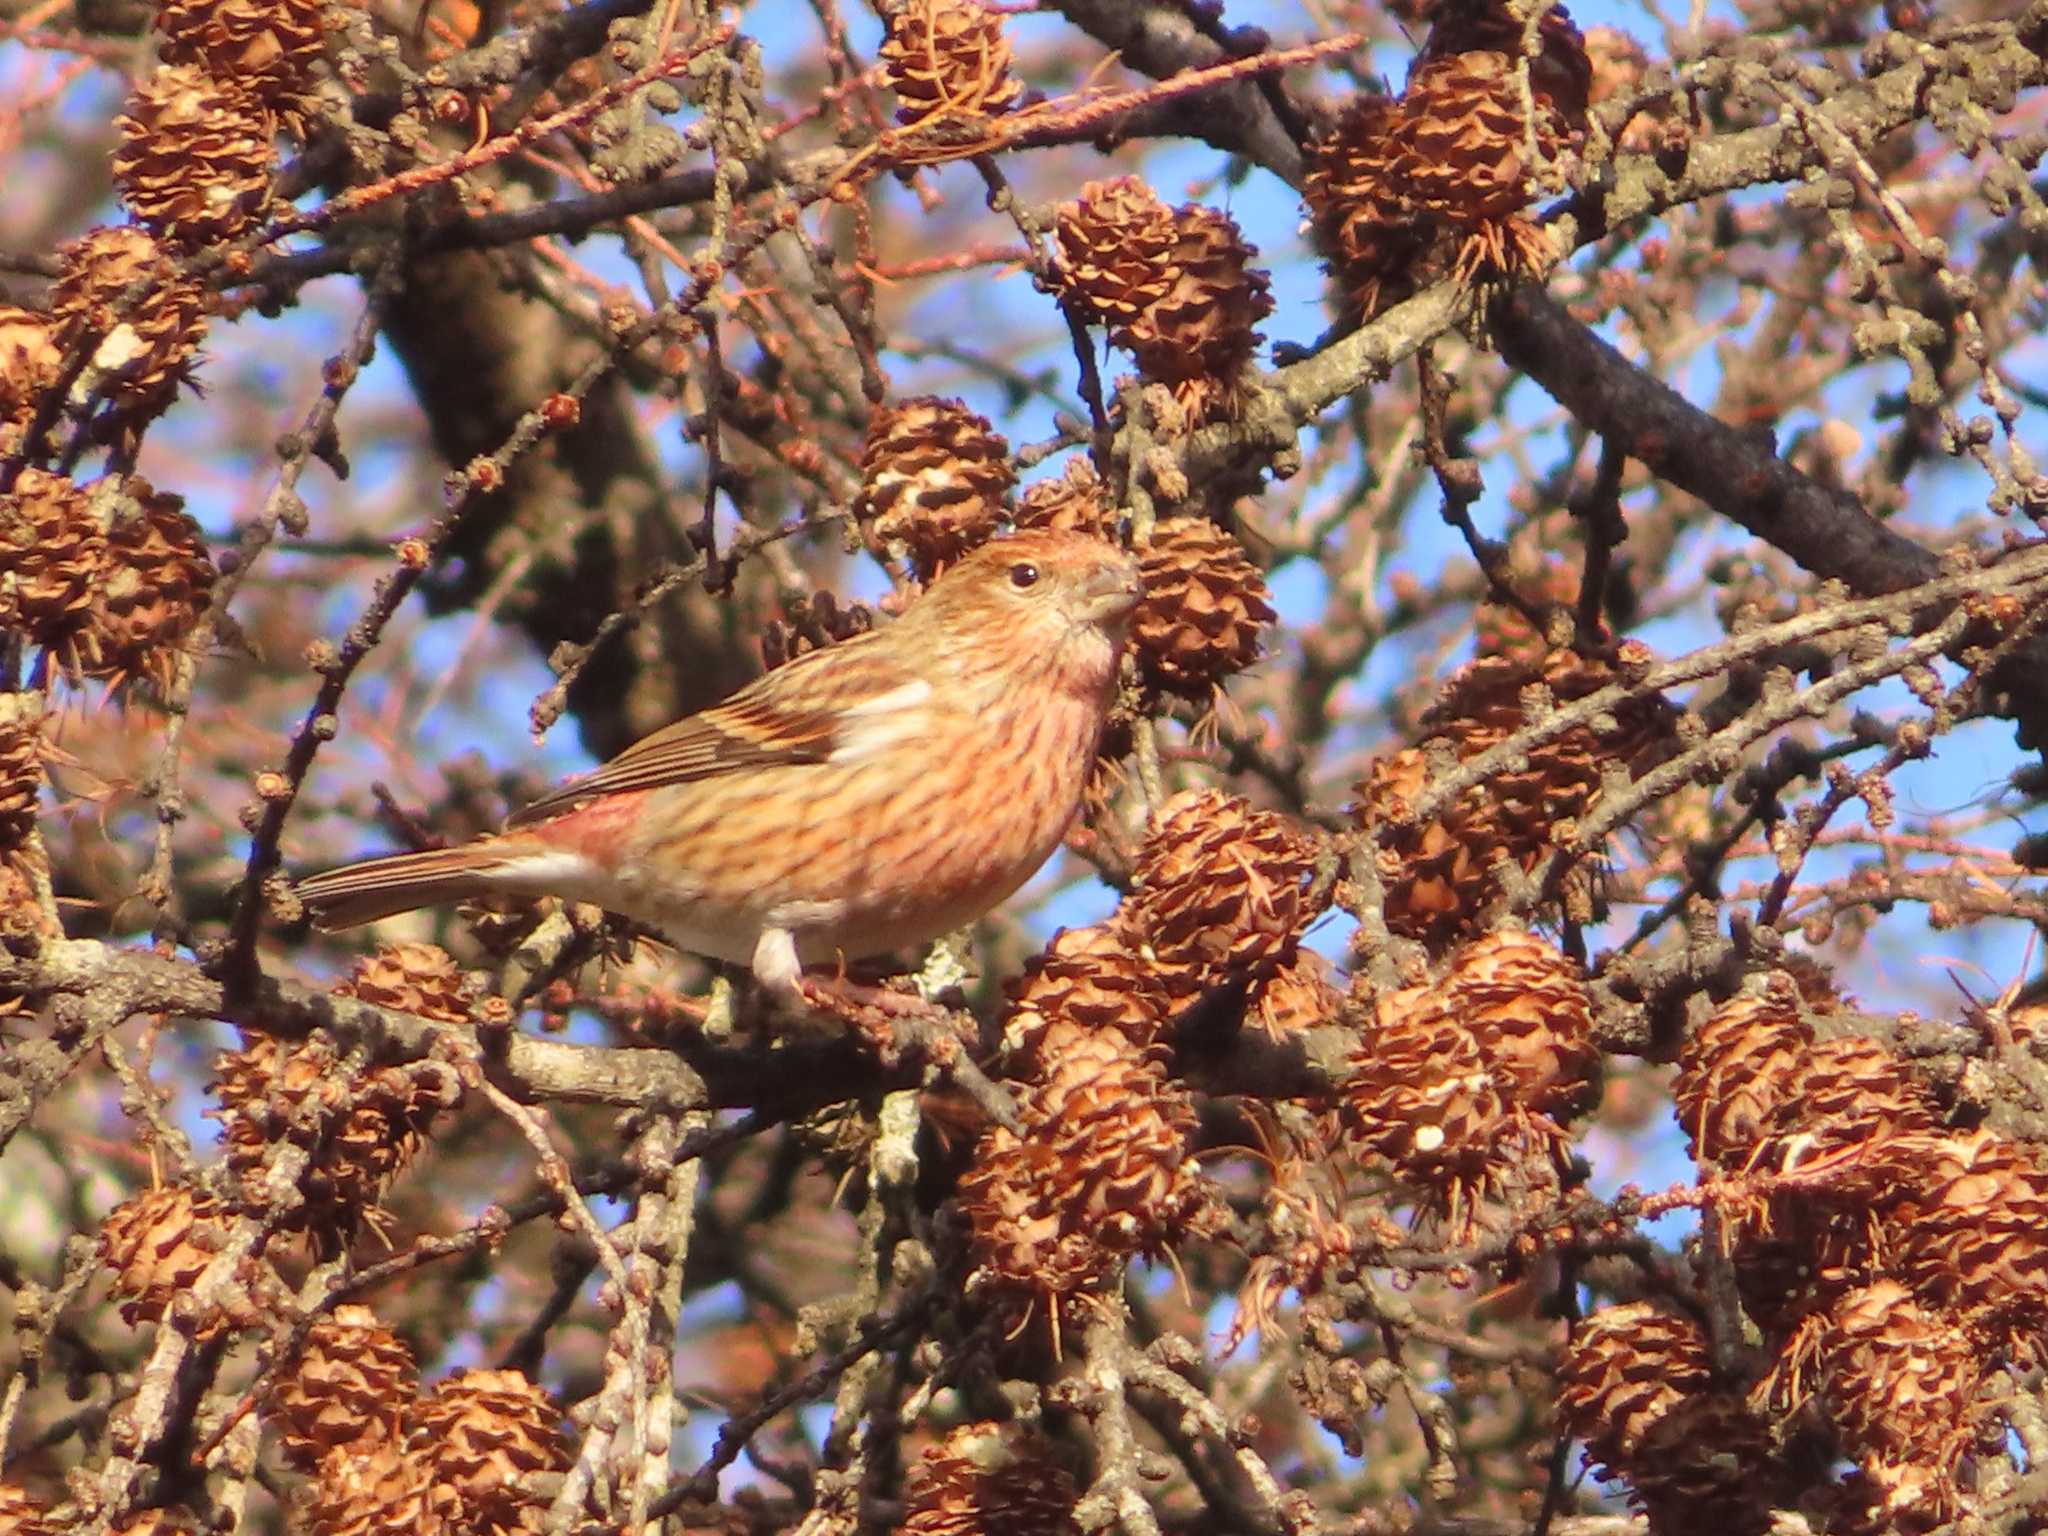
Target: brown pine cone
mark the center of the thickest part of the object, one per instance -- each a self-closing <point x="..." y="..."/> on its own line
<point x="1844" y="1096"/>
<point x="1901" y="1383"/>
<point x="361" y="1131"/>
<point x="53" y="559"/>
<point x="1367" y="227"/>
<point x="1463" y="162"/>
<point x="157" y="583"/>
<point x="1090" y="977"/>
<point x="270" y="47"/>
<point x="948" y="59"/>
<point x="1735" y="1069"/>
<point x="376" y="1488"/>
<point x="1438" y="873"/>
<point x="420" y="979"/>
<point x="1560" y="73"/>
<point x="22" y="748"/>
<point x="195" y="157"/>
<point x="1204" y="610"/>
<point x="989" y="1477"/>
<point x="118" y="293"/>
<point x="1076" y="501"/>
<point x="934" y="480"/>
<point x="1199" y="335"/>
<point x="350" y="1387"/>
<point x="485" y="1437"/>
<point x="29" y="364"/>
<point x="1220" y="891"/>
<point x="1527" y="1006"/>
<point x="1099" y="1171"/>
<point x="1635" y="1384"/>
<point x="1423" y="1096"/>
<point x="1968" y="1229"/>
<point x="158" y="1244"/>
<point x="1114" y="249"/>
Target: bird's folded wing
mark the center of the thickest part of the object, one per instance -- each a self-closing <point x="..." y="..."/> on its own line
<point x="801" y="713"/>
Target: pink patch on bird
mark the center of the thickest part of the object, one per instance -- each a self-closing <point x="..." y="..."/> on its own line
<point x="598" y="828"/>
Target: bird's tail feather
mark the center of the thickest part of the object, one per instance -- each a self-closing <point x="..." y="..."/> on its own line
<point x="361" y="893"/>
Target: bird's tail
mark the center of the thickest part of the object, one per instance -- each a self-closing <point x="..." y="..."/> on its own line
<point x="361" y="893"/>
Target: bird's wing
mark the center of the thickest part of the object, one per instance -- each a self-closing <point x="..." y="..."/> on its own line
<point x="827" y="704"/>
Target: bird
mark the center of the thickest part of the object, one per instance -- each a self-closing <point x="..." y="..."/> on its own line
<point x="863" y="799"/>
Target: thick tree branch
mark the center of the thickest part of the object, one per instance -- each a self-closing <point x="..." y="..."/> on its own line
<point x="1740" y="475"/>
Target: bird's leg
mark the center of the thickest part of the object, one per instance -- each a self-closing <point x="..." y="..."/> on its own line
<point x="781" y="975"/>
<point x="779" y="971"/>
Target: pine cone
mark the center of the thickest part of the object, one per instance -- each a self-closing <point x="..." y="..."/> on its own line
<point x="158" y="1244"/>
<point x="1901" y="1384"/>
<point x="1464" y="157"/>
<point x="1300" y="996"/>
<point x="52" y="559"/>
<point x="154" y="1522"/>
<point x="934" y="478"/>
<point x="1091" y="978"/>
<point x="195" y="156"/>
<point x="350" y="1386"/>
<point x="1438" y="874"/>
<point x="1635" y="1385"/>
<point x="1560" y="74"/>
<point x="1100" y="1172"/>
<point x="117" y="292"/>
<point x="21" y="770"/>
<point x="1734" y="1070"/>
<point x="361" y="1130"/>
<point x="377" y="1488"/>
<point x="23" y="1515"/>
<point x="24" y="925"/>
<point x="29" y="364"/>
<point x="1365" y="225"/>
<point x="1220" y="891"/>
<point x="1204" y="608"/>
<point x="1076" y="502"/>
<point x="485" y="1436"/>
<point x="1199" y="335"/>
<point x="948" y="59"/>
<point x="1423" y="1097"/>
<point x="1115" y="252"/>
<point x="156" y="588"/>
<point x="1528" y="1007"/>
<point x="1627" y="1370"/>
<point x="989" y="1477"/>
<point x="1463" y="161"/>
<point x="1843" y="1094"/>
<point x="269" y="47"/>
<point x="419" y="979"/>
<point x="1969" y="1228"/>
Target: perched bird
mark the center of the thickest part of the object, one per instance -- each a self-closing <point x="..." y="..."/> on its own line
<point x="864" y="798"/>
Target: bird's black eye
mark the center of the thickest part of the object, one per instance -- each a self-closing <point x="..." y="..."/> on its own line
<point x="1023" y="574"/>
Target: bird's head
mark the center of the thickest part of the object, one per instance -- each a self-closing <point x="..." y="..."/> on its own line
<point x="1041" y="598"/>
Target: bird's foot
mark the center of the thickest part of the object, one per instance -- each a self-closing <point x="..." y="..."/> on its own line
<point x="902" y="1027"/>
<point x="875" y="1013"/>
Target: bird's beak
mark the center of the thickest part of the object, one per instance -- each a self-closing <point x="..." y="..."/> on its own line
<point x="1112" y="593"/>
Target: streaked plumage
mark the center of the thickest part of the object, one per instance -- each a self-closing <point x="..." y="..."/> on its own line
<point x="862" y="799"/>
